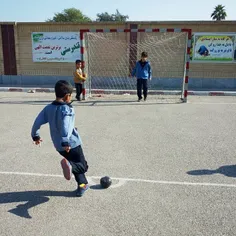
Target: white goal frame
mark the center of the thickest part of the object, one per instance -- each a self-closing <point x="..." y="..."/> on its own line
<point x="148" y="30"/>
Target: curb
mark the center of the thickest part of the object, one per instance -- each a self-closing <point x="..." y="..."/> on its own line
<point x="122" y="92"/>
<point x="165" y="92"/>
<point x="212" y="93"/>
<point x="27" y="90"/>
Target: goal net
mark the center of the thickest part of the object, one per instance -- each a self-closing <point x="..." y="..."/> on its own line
<point x="110" y="57"/>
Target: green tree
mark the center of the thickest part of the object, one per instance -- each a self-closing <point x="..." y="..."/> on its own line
<point x="70" y="15"/>
<point x="105" y="16"/>
<point x="219" y="13"/>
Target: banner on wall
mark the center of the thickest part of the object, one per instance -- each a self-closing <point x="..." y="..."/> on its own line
<point x="55" y="46"/>
<point x="214" y="47"/>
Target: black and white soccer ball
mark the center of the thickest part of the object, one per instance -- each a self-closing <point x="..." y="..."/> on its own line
<point x="105" y="182"/>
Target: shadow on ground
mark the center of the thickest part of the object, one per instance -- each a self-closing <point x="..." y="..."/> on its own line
<point x="33" y="199"/>
<point x="229" y="171"/>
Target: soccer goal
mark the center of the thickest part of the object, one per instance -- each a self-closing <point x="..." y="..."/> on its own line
<point x="109" y="56"/>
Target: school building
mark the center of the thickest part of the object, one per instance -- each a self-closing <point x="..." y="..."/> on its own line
<point x="213" y="69"/>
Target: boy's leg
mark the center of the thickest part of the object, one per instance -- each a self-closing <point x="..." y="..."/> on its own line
<point x="139" y="88"/>
<point x="80" y="90"/>
<point x="78" y="163"/>
<point x="145" y="88"/>
<point x="67" y="168"/>
<point x="77" y="91"/>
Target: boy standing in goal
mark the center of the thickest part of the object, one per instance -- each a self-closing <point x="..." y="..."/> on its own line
<point x="143" y="72"/>
<point x="79" y="78"/>
<point x="61" y="118"/>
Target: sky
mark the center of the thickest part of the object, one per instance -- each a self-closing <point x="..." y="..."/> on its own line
<point x="137" y="10"/>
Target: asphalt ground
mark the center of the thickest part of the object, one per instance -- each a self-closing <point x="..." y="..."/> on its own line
<point x="172" y="165"/>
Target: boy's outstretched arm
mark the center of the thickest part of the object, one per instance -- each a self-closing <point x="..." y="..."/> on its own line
<point x="39" y="121"/>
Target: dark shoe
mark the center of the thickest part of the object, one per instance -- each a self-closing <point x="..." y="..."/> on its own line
<point x="81" y="190"/>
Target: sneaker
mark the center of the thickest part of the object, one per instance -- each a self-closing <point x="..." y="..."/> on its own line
<point x="81" y="190"/>
<point x="67" y="169"/>
<point x="145" y="99"/>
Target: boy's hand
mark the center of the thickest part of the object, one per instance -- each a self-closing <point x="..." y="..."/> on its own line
<point x="67" y="148"/>
<point x="38" y="142"/>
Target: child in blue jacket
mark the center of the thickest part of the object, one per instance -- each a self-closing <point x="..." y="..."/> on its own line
<point x="61" y="118"/>
<point x="143" y="72"/>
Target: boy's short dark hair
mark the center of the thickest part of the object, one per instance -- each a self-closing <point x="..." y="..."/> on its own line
<point x="144" y="54"/>
<point x="77" y="61"/>
<point x="62" y="87"/>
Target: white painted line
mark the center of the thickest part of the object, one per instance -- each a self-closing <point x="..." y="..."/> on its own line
<point x="31" y="174"/>
<point x="178" y="183"/>
<point x="212" y="103"/>
<point x="120" y="183"/>
<point x="123" y="180"/>
<point x="90" y="181"/>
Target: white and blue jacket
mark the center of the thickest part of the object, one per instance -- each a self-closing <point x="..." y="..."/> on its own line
<point x="61" y="119"/>
<point x="142" y="70"/>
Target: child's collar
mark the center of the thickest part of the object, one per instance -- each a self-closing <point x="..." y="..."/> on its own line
<point x="60" y="103"/>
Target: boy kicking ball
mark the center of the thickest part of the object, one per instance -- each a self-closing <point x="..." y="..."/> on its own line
<point x="61" y="118"/>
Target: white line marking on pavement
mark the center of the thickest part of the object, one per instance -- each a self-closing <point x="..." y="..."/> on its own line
<point x="212" y="103"/>
<point x="124" y="180"/>
<point x="31" y="174"/>
<point x="120" y="183"/>
<point x="90" y="181"/>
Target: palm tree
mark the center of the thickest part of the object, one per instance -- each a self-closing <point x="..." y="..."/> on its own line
<point x="219" y="13"/>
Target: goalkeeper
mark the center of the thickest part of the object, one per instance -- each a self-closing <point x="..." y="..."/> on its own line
<point x="143" y="72"/>
<point x="79" y="78"/>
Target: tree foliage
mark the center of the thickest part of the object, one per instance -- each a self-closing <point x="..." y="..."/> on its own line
<point x="105" y="16"/>
<point x="70" y="15"/>
<point x="219" y="13"/>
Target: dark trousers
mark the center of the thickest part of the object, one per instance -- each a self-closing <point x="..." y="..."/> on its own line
<point x="78" y="88"/>
<point x="79" y="165"/>
<point x="142" y="84"/>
